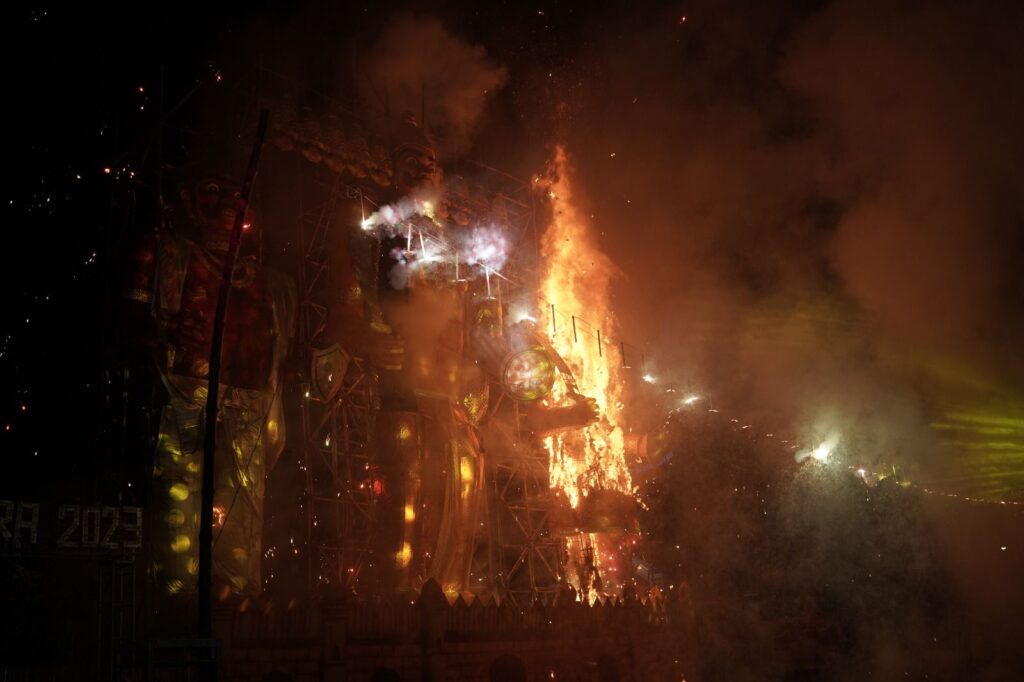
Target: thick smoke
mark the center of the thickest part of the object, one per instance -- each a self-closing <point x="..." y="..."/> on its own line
<point x="921" y="119"/>
<point x="806" y="202"/>
<point x="817" y="213"/>
<point x="417" y="64"/>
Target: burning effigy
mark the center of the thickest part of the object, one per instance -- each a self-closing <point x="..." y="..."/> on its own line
<point x="491" y="429"/>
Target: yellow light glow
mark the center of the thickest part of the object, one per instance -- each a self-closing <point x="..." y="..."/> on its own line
<point x="466" y="468"/>
<point x="823" y="452"/>
<point x="181" y="544"/>
<point x="178" y="491"/>
<point x="404" y="555"/>
<point x="410" y="513"/>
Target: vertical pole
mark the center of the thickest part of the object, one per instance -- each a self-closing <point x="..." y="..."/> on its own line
<point x="305" y="327"/>
<point x="575" y="339"/>
<point x="554" y="327"/>
<point x="599" y="352"/>
<point x="213" y="386"/>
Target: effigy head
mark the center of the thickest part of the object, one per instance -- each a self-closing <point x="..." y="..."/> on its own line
<point x="211" y="203"/>
<point x="413" y="159"/>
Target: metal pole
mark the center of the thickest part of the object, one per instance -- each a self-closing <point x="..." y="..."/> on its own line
<point x="213" y="385"/>
<point x="554" y="327"/>
<point x="574" y="338"/>
<point x="599" y="353"/>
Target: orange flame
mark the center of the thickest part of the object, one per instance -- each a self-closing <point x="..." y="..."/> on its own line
<point x="576" y="278"/>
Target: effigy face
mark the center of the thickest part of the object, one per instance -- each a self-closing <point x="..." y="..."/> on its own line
<point x="215" y="202"/>
<point x="414" y="167"/>
<point x="212" y="204"/>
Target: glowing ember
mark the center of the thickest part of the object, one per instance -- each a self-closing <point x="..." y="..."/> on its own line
<point x="576" y="279"/>
<point x="822" y="452"/>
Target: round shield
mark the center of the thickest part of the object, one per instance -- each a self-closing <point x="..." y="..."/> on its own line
<point x="528" y="374"/>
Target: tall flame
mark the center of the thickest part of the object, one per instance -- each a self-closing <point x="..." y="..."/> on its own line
<point x="576" y="279"/>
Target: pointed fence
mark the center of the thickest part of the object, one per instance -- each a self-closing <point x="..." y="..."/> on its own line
<point x="429" y="636"/>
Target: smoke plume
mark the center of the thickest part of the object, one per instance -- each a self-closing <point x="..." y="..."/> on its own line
<point x="417" y="64"/>
<point x="807" y="202"/>
<point x="818" y="218"/>
<point x="921" y="122"/>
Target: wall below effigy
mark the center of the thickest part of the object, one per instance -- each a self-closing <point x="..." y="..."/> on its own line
<point x="475" y="642"/>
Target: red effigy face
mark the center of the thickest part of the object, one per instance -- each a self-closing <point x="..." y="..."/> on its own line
<point x="214" y="204"/>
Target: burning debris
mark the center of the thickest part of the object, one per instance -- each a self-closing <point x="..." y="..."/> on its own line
<point x="577" y="277"/>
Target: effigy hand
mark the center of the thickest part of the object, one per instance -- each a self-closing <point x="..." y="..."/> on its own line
<point x="581" y="413"/>
<point x="586" y="411"/>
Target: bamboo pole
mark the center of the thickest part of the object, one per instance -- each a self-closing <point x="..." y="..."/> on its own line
<point x="213" y="388"/>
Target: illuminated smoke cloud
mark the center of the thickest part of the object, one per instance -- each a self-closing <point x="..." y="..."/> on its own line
<point x="418" y="63"/>
<point x="480" y="251"/>
<point x="797" y="217"/>
<point x="390" y="219"/>
<point x="487" y="247"/>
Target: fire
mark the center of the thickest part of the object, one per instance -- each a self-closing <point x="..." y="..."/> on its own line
<point x="576" y="279"/>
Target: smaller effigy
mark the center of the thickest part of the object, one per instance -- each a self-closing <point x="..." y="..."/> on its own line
<point x="175" y="277"/>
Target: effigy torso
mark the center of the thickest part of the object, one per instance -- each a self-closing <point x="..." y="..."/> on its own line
<point x="442" y="485"/>
<point x="190" y="277"/>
